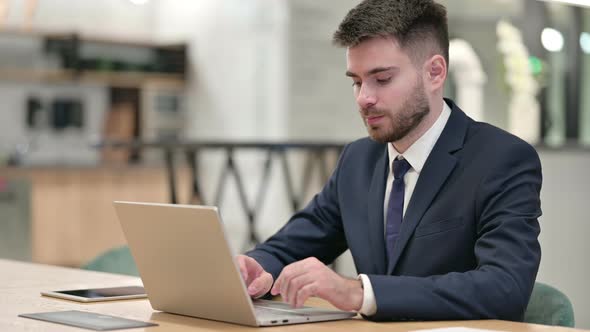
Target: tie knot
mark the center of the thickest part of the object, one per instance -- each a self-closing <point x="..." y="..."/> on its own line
<point x="400" y="168"/>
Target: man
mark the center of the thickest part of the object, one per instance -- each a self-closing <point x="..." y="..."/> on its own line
<point x="439" y="211"/>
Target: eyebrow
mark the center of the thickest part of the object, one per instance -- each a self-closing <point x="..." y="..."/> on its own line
<point x="372" y="71"/>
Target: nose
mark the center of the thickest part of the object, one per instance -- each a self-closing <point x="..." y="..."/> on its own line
<point x="365" y="97"/>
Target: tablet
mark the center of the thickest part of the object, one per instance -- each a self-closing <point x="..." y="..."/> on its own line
<point x="99" y="294"/>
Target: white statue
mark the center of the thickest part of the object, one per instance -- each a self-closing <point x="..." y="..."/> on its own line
<point x="523" y="108"/>
<point x="469" y="77"/>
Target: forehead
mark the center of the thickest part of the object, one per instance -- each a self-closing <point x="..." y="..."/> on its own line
<point x="376" y="52"/>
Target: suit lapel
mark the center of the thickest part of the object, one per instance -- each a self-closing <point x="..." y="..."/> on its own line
<point x="439" y="165"/>
<point x="375" y="214"/>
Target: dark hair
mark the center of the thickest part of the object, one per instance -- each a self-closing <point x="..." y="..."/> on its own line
<point x="420" y="26"/>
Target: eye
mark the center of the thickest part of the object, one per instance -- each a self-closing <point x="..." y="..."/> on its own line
<point x="383" y="81"/>
<point x="356" y="84"/>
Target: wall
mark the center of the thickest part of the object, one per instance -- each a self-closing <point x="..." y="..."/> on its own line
<point x="321" y="103"/>
<point x="112" y="18"/>
<point x="238" y="56"/>
<point x="565" y="227"/>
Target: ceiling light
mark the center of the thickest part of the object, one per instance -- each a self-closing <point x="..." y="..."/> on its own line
<point x="585" y="42"/>
<point x="139" y="2"/>
<point x="584" y="3"/>
<point x="552" y="40"/>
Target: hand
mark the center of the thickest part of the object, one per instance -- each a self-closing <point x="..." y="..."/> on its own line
<point x="310" y="277"/>
<point x="257" y="280"/>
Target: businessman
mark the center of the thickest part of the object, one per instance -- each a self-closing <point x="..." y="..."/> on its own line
<point x="439" y="211"/>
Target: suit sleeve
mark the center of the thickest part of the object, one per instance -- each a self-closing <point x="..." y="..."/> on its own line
<point x="315" y="231"/>
<point x="506" y="248"/>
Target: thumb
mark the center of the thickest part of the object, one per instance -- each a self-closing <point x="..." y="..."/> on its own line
<point x="243" y="268"/>
<point x="260" y="285"/>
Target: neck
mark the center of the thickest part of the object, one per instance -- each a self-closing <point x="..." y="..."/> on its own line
<point x="436" y="107"/>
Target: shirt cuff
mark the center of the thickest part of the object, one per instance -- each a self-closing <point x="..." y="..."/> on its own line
<point x="369" y="307"/>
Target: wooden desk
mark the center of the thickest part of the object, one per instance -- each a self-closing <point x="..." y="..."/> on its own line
<point x="20" y="284"/>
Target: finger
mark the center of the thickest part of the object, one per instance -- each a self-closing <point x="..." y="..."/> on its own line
<point x="295" y="285"/>
<point x="252" y="264"/>
<point x="243" y="270"/>
<point x="296" y="270"/>
<point x="293" y="271"/>
<point x="290" y="271"/>
<point x="276" y="288"/>
<point x="253" y="269"/>
<point x="260" y="285"/>
<point x="304" y="293"/>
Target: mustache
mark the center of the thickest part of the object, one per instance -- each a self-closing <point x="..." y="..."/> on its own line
<point x="371" y="112"/>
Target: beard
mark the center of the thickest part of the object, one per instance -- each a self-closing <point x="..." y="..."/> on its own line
<point x="399" y="124"/>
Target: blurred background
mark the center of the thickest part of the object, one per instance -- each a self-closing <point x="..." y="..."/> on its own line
<point x="244" y="104"/>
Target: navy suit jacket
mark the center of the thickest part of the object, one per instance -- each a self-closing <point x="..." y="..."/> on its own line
<point x="468" y="246"/>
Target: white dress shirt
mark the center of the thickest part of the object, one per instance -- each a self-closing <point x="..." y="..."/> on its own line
<point x="416" y="156"/>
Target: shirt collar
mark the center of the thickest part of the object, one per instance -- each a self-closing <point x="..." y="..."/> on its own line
<point x="418" y="152"/>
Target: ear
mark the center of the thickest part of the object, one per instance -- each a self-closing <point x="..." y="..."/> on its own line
<point x="435" y="72"/>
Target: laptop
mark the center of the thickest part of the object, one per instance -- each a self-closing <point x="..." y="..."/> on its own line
<point x="187" y="267"/>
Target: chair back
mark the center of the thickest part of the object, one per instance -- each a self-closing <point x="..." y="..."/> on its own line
<point x="116" y="260"/>
<point x="549" y="306"/>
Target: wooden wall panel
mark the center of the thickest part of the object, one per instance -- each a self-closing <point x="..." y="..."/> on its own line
<point x="73" y="218"/>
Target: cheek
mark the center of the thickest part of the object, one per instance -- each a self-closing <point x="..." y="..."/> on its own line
<point x="392" y="99"/>
<point x="396" y="86"/>
<point x="396" y="94"/>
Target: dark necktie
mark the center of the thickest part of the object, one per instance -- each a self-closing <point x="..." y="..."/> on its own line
<point x="395" y="208"/>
